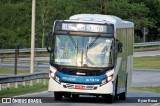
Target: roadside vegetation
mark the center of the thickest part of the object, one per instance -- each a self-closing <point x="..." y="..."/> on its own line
<point x="147" y="62"/>
<point x="23" y="90"/>
<point x="15" y="20"/>
<point x="155" y="89"/>
<point x="11" y="71"/>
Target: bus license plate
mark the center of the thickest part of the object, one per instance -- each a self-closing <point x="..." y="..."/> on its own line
<point x="80" y="87"/>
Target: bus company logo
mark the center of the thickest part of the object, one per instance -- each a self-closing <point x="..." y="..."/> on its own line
<point x="68" y="79"/>
<point x="6" y="100"/>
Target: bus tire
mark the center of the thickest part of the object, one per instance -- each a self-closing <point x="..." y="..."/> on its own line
<point x="122" y="96"/>
<point x="57" y="96"/>
<point x="109" y="98"/>
<point x="116" y="86"/>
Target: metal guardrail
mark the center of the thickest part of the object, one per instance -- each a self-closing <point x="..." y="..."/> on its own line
<point x="24" y="77"/>
<point x="7" y="80"/>
<point x="27" y="50"/>
<point x="146" y="44"/>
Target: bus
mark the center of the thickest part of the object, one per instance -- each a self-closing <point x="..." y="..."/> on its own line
<point x="91" y="54"/>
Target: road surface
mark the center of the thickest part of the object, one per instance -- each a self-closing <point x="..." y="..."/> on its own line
<point x="147" y="53"/>
<point x="133" y="99"/>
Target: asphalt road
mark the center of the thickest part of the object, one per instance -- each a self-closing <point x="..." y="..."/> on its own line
<point x="147" y="53"/>
<point x="132" y="100"/>
<point x="146" y="78"/>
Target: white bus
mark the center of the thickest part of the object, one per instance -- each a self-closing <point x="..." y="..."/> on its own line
<point x="91" y="54"/>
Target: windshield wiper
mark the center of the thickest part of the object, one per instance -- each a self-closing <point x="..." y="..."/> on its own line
<point x="88" y="48"/>
<point x="91" y="44"/>
<point x="73" y="42"/>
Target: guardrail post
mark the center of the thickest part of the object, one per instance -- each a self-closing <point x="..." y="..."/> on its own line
<point x="16" y="85"/>
<point x="24" y="83"/>
<point x="37" y="63"/>
<point x="16" y="56"/>
<point x="44" y="81"/>
<point x="38" y="81"/>
<point x="0" y="87"/>
<point x="8" y="86"/>
<point x="31" y="83"/>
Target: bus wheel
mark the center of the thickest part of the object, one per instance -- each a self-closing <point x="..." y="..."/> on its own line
<point x="57" y="95"/>
<point x="75" y="96"/>
<point x="109" y="98"/>
<point x="122" y="96"/>
<point x="116" y="86"/>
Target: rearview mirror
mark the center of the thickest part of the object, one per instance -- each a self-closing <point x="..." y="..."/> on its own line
<point x="120" y="48"/>
<point x="49" y="40"/>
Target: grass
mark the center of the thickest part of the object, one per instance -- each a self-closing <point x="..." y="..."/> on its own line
<point x="155" y="89"/>
<point x="23" y="90"/>
<point x="11" y="71"/>
<point x="147" y="62"/>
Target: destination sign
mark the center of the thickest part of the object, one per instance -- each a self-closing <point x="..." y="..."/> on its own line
<point x="84" y="27"/>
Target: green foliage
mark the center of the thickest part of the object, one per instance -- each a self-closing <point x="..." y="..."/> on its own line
<point x="15" y="20"/>
<point x="155" y="89"/>
<point x="15" y="24"/>
<point x="147" y="62"/>
<point x="21" y="90"/>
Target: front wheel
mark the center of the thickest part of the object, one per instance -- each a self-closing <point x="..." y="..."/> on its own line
<point x="57" y="95"/>
<point x="122" y="96"/>
<point x="109" y="98"/>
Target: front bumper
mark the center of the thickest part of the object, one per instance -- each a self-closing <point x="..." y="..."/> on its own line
<point x="89" y="89"/>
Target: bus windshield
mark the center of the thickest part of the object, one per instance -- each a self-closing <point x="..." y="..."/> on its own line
<point x="84" y="51"/>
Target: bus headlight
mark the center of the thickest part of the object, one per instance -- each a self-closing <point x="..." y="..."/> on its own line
<point x="55" y="77"/>
<point x="52" y="74"/>
<point x="109" y="78"/>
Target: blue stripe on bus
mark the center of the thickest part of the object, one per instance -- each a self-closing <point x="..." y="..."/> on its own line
<point x="80" y="79"/>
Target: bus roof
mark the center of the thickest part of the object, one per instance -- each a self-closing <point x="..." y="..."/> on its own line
<point x="98" y="18"/>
